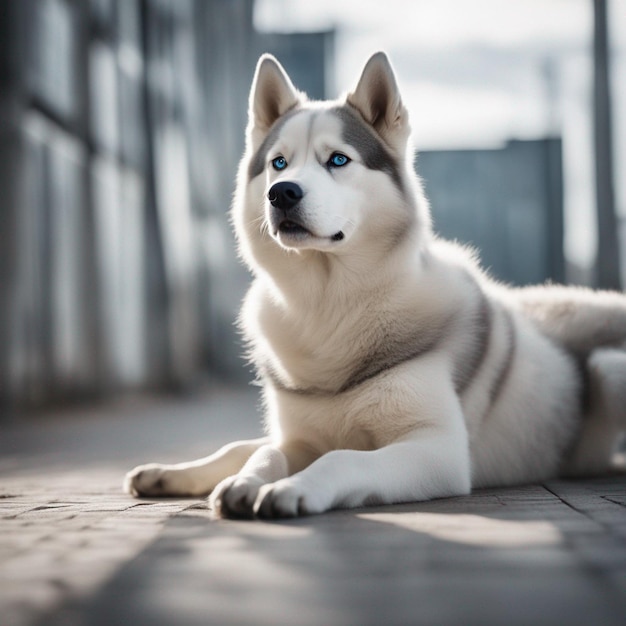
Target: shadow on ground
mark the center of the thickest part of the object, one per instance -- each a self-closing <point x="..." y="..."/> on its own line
<point x="514" y="556"/>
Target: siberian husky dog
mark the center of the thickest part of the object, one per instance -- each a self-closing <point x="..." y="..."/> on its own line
<point x="393" y="368"/>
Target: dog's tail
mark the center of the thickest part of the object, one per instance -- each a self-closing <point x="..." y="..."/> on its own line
<point x="578" y="319"/>
<point x="592" y="327"/>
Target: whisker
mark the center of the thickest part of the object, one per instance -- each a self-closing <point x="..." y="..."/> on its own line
<point x="262" y="224"/>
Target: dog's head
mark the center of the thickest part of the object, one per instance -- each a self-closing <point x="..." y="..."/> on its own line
<point x="327" y="176"/>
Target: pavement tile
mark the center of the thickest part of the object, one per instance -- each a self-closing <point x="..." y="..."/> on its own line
<point x="347" y="568"/>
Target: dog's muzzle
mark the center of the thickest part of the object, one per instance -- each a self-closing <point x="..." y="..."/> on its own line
<point x="285" y="216"/>
<point x="285" y="199"/>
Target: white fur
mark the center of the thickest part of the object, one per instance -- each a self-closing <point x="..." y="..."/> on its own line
<point x="491" y="397"/>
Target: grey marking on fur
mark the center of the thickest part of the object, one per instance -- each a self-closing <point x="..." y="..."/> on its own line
<point x="389" y="355"/>
<point x="364" y="139"/>
<point x="469" y="365"/>
<point x="312" y="118"/>
<point x="257" y="163"/>
<point x="507" y="364"/>
<point x="586" y="392"/>
<point x="395" y="353"/>
<point x="267" y="372"/>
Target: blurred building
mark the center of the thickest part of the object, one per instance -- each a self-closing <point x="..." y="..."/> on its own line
<point x="507" y="203"/>
<point x="121" y="126"/>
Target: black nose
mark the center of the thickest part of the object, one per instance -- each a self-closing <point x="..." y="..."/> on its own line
<point x="285" y="195"/>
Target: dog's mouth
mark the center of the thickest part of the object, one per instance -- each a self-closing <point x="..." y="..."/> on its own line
<point x="297" y="232"/>
<point x="293" y="229"/>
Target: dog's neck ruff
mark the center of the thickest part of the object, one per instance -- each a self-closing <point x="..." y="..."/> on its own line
<point x="391" y="353"/>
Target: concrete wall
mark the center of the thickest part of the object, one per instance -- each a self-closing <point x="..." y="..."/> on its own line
<point x="508" y="203"/>
<point x="121" y="127"/>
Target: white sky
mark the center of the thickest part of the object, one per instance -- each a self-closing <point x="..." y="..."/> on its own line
<point x="475" y="73"/>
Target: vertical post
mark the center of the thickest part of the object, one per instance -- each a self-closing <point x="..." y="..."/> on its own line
<point x="607" y="260"/>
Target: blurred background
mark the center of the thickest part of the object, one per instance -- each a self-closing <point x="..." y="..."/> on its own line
<point x="121" y="126"/>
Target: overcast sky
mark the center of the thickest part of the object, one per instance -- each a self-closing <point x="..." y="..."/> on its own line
<point x="477" y="73"/>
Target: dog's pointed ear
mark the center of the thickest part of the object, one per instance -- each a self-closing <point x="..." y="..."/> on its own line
<point x="272" y="93"/>
<point x="377" y="98"/>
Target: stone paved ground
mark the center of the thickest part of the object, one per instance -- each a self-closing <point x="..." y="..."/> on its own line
<point x="74" y="550"/>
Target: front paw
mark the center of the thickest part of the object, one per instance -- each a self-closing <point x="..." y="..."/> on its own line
<point x="235" y="496"/>
<point x="154" y="479"/>
<point x="288" y="498"/>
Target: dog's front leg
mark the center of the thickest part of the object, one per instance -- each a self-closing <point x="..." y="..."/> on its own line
<point x="422" y="466"/>
<point x="195" y="478"/>
<point x="236" y="495"/>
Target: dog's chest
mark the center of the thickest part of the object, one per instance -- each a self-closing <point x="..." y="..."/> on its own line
<point x="317" y="349"/>
<point x="314" y="354"/>
<point x="329" y="352"/>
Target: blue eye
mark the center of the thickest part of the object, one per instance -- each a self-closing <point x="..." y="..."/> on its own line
<point x="279" y="163"/>
<point x="338" y="160"/>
